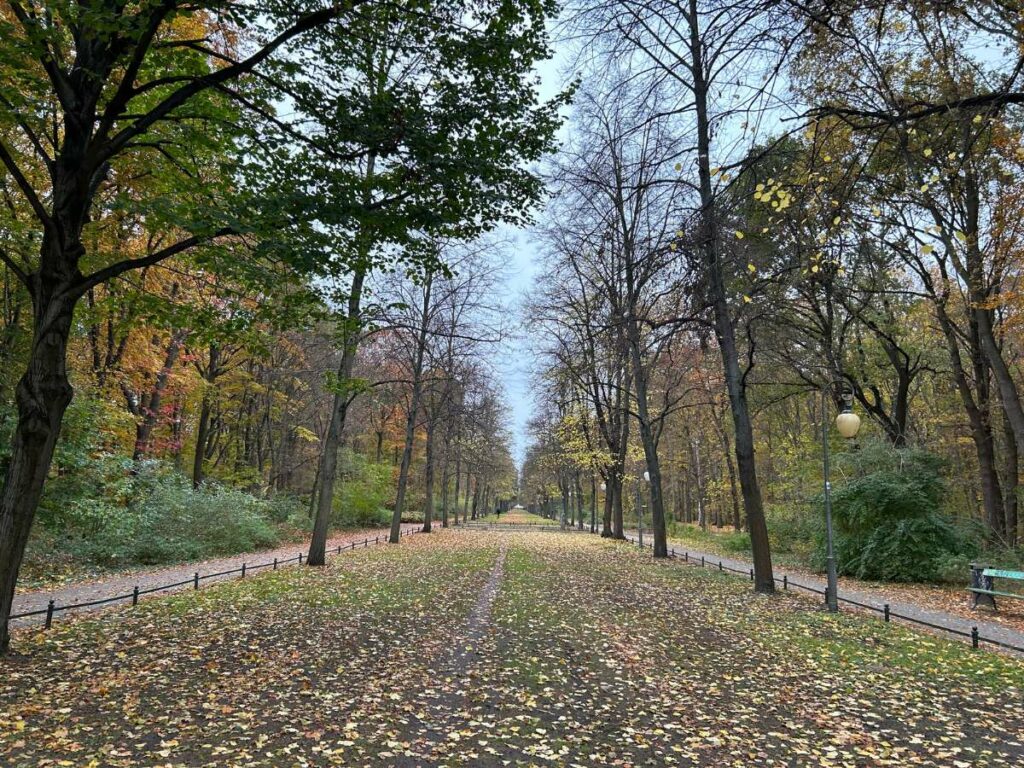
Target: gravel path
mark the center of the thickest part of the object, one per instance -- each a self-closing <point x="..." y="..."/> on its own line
<point x="988" y="630"/>
<point x="124" y="583"/>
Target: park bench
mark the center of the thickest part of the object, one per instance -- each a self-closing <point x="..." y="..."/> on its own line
<point x="983" y="585"/>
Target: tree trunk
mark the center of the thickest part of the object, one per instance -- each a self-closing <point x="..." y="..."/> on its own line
<point x="1010" y="483"/>
<point x="606" y="520"/>
<point x="978" y="409"/>
<point x="764" y="579"/>
<point x="42" y="395"/>
<point x="618" y="526"/>
<point x="580" y="502"/>
<point x="414" y="406"/>
<point x="202" y="435"/>
<point x="650" y="446"/>
<point x="203" y="428"/>
<point x="328" y="469"/>
<point x="458" y="481"/>
<point x="428" y="482"/>
<point x="150" y="405"/>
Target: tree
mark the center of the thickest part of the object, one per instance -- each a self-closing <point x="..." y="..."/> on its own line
<point x="453" y="166"/>
<point x="98" y="92"/>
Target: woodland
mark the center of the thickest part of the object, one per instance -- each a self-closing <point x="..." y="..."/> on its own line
<point x="255" y="257"/>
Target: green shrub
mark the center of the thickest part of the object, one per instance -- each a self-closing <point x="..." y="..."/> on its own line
<point x="735" y="541"/>
<point x="888" y="520"/>
<point x="114" y="516"/>
<point x="362" y="492"/>
<point x="793" y="530"/>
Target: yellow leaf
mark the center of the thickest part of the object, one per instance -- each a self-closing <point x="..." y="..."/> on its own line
<point x="739" y="235"/>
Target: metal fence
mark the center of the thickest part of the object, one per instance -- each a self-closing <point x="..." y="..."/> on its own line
<point x="885" y="611"/>
<point x="197" y="578"/>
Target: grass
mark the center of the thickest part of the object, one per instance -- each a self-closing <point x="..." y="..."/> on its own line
<point x="593" y="654"/>
<point x="518" y="517"/>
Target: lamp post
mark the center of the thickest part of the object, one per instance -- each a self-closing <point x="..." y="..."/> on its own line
<point x="848" y="424"/>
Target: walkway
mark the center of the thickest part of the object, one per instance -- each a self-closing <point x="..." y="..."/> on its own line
<point x="988" y="630"/>
<point x="209" y="571"/>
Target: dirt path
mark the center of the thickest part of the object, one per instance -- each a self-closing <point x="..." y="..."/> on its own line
<point x="446" y="707"/>
<point x="125" y="583"/>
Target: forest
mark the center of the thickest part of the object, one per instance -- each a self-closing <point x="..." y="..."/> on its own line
<point x="255" y="265"/>
<point x="764" y="215"/>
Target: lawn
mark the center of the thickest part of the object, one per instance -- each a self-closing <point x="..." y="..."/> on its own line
<point x="492" y="649"/>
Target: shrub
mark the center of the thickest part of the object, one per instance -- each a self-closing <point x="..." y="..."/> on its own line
<point x="362" y="492"/>
<point x="888" y="521"/>
<point x="735" y="541"/>
<point x="113" y="516"/>
<point x="794" y="530"/>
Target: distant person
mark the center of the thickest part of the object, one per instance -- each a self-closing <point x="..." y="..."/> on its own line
<point x="497" y="514"/>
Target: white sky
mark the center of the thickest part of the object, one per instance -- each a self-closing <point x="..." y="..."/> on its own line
<point x="516" y="360"/>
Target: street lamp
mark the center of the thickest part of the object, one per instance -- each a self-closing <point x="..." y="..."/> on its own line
<point x="847" y="424"/>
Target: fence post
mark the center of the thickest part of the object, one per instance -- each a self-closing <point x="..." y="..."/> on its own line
<point x="366" y="542"/>
<point x="974" y="637"/>
<point x="243" y="570"/>
<point x="49" y="614"/>
<point x="686" y="556"/>
<point x="275" y="563"/>
<point x="339" y="549"/>
<point x="702" y="561"/>
<point x="719" y="565"/>
<point x="195" y="580"/>
<point x="785" y="581"/>
<point x="751" y="574"/>
<point x="135" y="595"/>
<point x="300" y="558"/>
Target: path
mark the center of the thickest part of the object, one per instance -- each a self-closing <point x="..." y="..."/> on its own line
<point x="591" y="654"/>
<point x="942" y="620"/>
<point x="124" y="583"/>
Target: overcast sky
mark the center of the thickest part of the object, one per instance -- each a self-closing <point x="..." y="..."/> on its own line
<point x="516" y="361"/>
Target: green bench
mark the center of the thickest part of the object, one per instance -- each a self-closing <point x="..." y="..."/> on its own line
<point x="983" y="585"/>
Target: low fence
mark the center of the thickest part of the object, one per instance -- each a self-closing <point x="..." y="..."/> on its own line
<point x="704" y="561"/>
<point x="196" y="579"/>
<point x="885" y="611"/>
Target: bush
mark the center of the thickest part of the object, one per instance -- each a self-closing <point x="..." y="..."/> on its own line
<point x="888" y="522"/>
<point x="115" y="517"/>
<point x="794" y="530"/>
<point x="735" y="541"/>
<point x="362" y="492"/>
